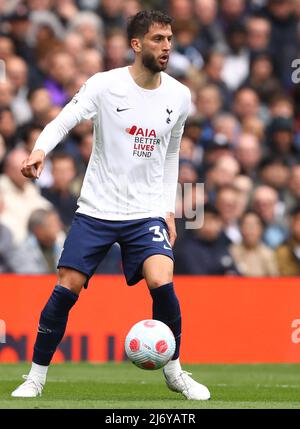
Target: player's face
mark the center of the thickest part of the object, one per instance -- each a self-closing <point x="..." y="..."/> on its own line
<point x="156" y="46"/>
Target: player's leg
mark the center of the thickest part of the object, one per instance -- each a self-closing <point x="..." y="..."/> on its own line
<point x="88" y="242"/>
<point x="158" y="273"/>
<point x="51" y="329"/>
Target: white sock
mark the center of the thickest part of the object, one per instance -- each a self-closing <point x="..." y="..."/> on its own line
<point x="173" y="367"/>
<point x="39" y="371"/>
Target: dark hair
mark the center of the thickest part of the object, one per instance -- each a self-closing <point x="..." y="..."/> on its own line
<point x="295" y="211"/>
<point x="60" y="155"/>
<point x="252" y="212"/>
<point x="38" y="218"/>
<point x="139" y="24"/>
<point x="210" y="208"/>
<point x="272" y="160"/>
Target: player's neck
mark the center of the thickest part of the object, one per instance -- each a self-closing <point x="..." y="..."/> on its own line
<point x="143" y="77"/>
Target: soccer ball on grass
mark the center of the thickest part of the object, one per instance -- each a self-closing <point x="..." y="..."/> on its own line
<point x="150" y="344"/>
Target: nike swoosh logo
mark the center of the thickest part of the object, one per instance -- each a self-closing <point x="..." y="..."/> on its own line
<point x="167" y="248"/>
<point x="122" y="110"/>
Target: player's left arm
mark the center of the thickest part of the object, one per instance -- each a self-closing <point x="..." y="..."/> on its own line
<point x="82" y="106"/>
<point x="171" y="167"/>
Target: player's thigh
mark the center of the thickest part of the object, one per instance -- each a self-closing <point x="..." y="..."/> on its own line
<point x="158" y="270"/>
<point x="142" y="240"/>
<point x="71" y="279"/>
<point x="86" y="246"/>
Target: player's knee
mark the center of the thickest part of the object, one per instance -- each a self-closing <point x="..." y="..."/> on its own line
<point x="71" y="279"/>
<point x="159" y="279"/>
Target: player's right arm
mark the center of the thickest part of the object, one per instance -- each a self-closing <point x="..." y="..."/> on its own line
<point x="82" y="106"/>
<point x="34" y="164"/>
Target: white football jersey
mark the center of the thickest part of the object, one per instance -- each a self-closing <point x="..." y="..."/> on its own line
<point x="133" y="168"/>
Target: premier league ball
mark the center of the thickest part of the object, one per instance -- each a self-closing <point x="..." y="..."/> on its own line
<point x="150" y="344"/>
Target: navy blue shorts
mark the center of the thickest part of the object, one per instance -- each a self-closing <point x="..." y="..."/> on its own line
<point x="90" y="239"/>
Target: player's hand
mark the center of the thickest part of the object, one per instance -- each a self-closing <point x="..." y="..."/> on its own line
<point x="170" y="220"/>
<point x="33" y="165"/>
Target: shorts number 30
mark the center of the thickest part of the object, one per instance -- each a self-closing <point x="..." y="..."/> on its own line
<point x="158" y="235"/>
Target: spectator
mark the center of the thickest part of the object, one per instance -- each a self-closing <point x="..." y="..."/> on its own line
<point x="61" y="72"/>
<point x="40" y="104"/>
<point x="226" y="124"/>
<point x="236" y="66"/>
<point x="210" y="34"/>
<point x="254" y="125"/>
<point x="74" y="44"/>
<point x="232" y="12"/>
<point x="17" y="73"/>
<point x="112" y="14"/>
<point x="85" y="147"/>
<point x="8" y="262"/>
<point x="187" y="172"/>
<point x="180" y="9"/>
<point x="7" y="48"/>
<point x="283" y="35"/>
<point x="288" y="253"/>
<point x="292" y="194"/>
<point x="249" y="153"/>
<point x="116" y="49"/>
<point x="209" y="104"/>
<point x="246" y="103"/>
<point x="258" y="34"/>
<point x="281" y="105"/>
<point x="228" y="205"/>
<point x="8" y="128"/>
<point x="90" y="62"/>
<point x="90" y="26"/>
<point x="267" y="205"/>
<point x="204" y="251"/>
<point x="281" y="139"/>
<point x="212" y="73"/>
<point x="214" y="150"/>
<point x="6" y="94"/>
<point x="185" y="32"/>
<point x="40" y="251"/>
<point x="2" y="152"/>
<point x="244" y="186"/>
<point x="187" y="148"/>
<point x="21" y="197"/>
<point x="251" y="256"/>
<point x="59" y="194"/>
<point x="222" y="173"/>
<point x="262" y="78"/>
<point x="274" y="172"/>
<point x="130" y="8"/>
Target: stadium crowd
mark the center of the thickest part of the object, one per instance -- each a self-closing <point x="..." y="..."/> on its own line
<point x="242" y="137"/>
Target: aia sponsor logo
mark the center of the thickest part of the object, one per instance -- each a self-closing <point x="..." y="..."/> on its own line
<point x="137" y="131"/>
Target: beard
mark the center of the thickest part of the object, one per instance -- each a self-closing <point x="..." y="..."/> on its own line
<point x="152" y="64"/>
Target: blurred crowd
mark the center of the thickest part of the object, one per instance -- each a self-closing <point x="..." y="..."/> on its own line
<point x="242" y="136"/>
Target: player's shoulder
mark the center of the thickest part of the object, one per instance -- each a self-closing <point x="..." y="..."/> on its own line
<point x="105" y="78"/>
<point x="177" y="86"/>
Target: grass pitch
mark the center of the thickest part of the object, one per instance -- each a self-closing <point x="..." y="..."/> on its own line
<point x="118" y="386"/>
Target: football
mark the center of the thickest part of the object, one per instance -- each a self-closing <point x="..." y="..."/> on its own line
<point x="150" y="344"/>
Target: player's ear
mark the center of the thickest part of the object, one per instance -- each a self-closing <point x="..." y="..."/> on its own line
<point x="136" y="45"/>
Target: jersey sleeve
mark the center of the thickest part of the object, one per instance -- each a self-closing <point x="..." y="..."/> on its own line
<point x="171" y="165"/>
<point x="82" y="106"/>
